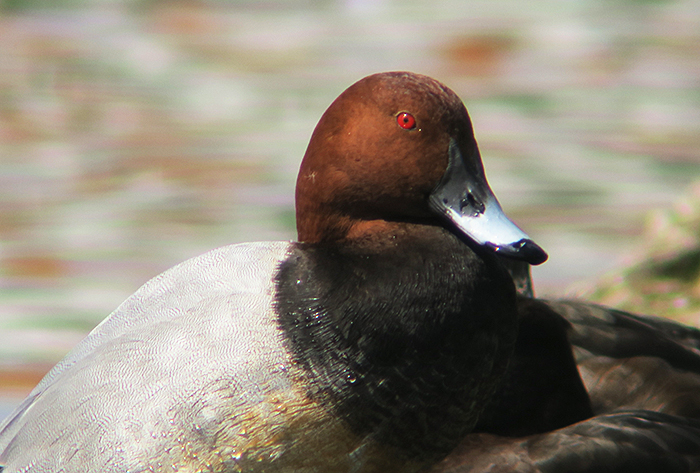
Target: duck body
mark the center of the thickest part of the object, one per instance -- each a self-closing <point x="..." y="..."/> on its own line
<point x="199" y="344"/>
<point x="239" y="352"/>
<point x="372" y="345"/>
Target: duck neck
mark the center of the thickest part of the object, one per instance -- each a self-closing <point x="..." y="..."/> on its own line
<point x="399" y="325"/>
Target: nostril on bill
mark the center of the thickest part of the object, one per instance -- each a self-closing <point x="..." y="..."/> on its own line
<point x="476" y="207"/>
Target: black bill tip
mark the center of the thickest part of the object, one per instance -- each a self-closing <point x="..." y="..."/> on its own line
<point x="524" y="250"/>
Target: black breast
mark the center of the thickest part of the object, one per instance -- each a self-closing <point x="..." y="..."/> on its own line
<point x="404" y="339"/>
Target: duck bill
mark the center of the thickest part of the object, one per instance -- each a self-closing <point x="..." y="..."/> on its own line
<point x="464" y="197"/>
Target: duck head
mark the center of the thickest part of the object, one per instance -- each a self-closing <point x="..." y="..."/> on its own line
<point x="399" y="147"/>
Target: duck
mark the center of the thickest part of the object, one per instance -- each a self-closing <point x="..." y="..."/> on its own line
<point x="370" y="344"/>
<point x="400" y="333"/>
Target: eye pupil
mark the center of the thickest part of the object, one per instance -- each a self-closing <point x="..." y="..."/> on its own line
<point x="406" y="120"/>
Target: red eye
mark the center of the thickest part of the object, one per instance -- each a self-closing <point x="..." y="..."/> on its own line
<point x="406" y="120"/>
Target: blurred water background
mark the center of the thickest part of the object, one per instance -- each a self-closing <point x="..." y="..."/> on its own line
<point x="136" y="134"/>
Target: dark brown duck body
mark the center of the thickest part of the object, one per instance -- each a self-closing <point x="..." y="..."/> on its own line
<point x="634" y="408"/>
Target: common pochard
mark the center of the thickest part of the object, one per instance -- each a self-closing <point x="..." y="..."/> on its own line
<point x="381" y="341"/>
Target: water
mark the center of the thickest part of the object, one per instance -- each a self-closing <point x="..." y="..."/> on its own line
<point x="135" y="135"/>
